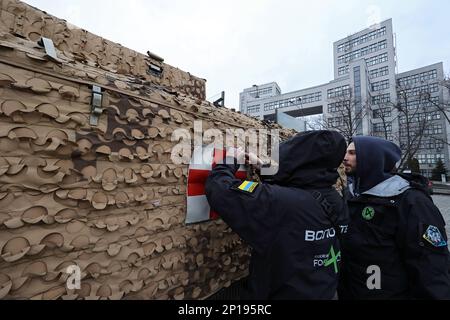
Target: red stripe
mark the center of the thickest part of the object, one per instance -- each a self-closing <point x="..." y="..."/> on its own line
<point x="197" y="178"/>
<point x="196" y="182"/>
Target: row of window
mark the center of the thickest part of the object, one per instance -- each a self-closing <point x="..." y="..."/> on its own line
<point x="380" y="85"/>
<point x="259" y="92"/>
<point x="417" y="78"/>
<point x="382" y="98"/>
<point x="382" y="127"/>
<point x="377" y="59"/>
<point x="362" y="39"/>
<point x="339" y="92"/>
<point x="431" y="144"/>
<point x="382" y="113"/>
<point x="253" y="109"/>
<point x="387" y="112"/>
<point x="307" y="98"/>
<point x="383" y="71"/>
<point x="416" y="91"/>
<point x="429" y="158"/>
<point x="343" y="70"/>
<point x="416" y="128"/>
<point x="420" y="103"/>
<point x="339" y="106"/>
<point x="336" y="121"/>
<point x="362" y="52"/>
<point x="434" y="129"/>
<point x="436" y="115"/>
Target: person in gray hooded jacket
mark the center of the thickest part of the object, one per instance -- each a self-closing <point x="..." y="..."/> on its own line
<point x="396" y="245"/>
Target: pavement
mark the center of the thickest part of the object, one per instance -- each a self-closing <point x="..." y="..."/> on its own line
<point x="443" y="203"/>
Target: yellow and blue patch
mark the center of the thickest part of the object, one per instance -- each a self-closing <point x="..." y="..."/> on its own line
<point x="248" y="186"/>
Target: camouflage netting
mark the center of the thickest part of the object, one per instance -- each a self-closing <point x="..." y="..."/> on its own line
<point x="105" y="197"/>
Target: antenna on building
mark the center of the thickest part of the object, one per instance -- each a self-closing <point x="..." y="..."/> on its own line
<point x="395" y="53"/>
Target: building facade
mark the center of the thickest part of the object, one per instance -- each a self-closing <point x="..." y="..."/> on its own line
<point x="368" y="97"/>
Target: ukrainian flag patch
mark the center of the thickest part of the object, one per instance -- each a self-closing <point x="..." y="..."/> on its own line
<point x="248" y="186"/>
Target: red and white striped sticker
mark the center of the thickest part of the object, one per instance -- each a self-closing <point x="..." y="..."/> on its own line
<point x="198" y="209"/>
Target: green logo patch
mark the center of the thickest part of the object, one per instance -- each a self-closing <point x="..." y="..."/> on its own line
<point x="368" y="213"/>
<point x="333" y="259"/>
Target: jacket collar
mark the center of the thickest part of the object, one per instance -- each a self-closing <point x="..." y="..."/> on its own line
<point x="391" y="187"/>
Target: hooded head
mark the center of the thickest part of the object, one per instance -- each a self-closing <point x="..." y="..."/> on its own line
<point x="310" y="159"/>
<point x="376" y="160"/>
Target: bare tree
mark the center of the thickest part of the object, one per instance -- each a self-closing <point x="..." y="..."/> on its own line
<point x="383" y="111"/>
<point x="415" y="120"/>
<point x="442" y="106"/>
<point x="446" y="82"/>
<point x="314" y="122"/>
<point x="435" y="104"/>
<point x="345" y="114"/>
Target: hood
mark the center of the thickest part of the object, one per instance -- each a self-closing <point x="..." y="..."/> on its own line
<point x="376" y="159"/>
<point x="391" y="187"/>
<point x="310" y="159"/>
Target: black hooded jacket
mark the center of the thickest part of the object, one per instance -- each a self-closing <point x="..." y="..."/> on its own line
<point x="294" y="239"/>
<point x="396" y="234"/>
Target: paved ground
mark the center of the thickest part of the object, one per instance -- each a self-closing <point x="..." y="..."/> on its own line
<point x="443" y="203"/>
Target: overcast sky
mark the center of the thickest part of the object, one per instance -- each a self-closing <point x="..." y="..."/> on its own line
<point x="234" y="44"/>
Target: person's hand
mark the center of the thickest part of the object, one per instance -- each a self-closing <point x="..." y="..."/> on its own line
<point x="253" y="160"/>
<point x="243" y="157"/>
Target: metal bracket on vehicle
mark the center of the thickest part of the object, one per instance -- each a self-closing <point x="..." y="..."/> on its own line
<point x="96" y="105"/>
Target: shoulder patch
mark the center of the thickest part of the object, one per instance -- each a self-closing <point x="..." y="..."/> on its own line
<point x="434" y="237"/>
<point x="247" y="186"/>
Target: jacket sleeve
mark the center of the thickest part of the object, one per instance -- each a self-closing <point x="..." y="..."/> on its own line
<point x="426" y="261"/>
<point x="251" y="215"/>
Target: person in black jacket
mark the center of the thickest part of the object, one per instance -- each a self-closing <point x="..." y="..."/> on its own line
<point x="396" y="245"/>
<point x="291" y="223"/>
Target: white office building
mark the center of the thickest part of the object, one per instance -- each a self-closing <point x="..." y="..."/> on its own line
<point x="365" y="71"/>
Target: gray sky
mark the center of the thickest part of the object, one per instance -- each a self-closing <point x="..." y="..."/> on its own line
<point x="234" y="44"/>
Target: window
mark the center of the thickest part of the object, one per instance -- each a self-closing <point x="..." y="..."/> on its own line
<point x="335" y="122"/>
<point x="380" y="85"/>
<point x="415" y="104"/>
<point x="343" y="70"/>
<point x="377" y="59"/>
<point x="362" y="52"/>
<point x="434" y="129"/>
<point x="417" y="91"/>
<point x="381" y="127"/>
<point x="382" y="98"/>
<point x="362" y="39"/>
<point x="417" y="78"/>
<point x="297" y="100"/>
<point x="420" y="117"/>
<point x="339" y="92"/>
<point x="429" y="158"/>
<point x="253" y="109"/>
<point x="339" y="106"/>
<point x="256" y="93"/>
<point x="382" y="113"/>
<point x="383" y="71"/>
<point x="432" y="145"/>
